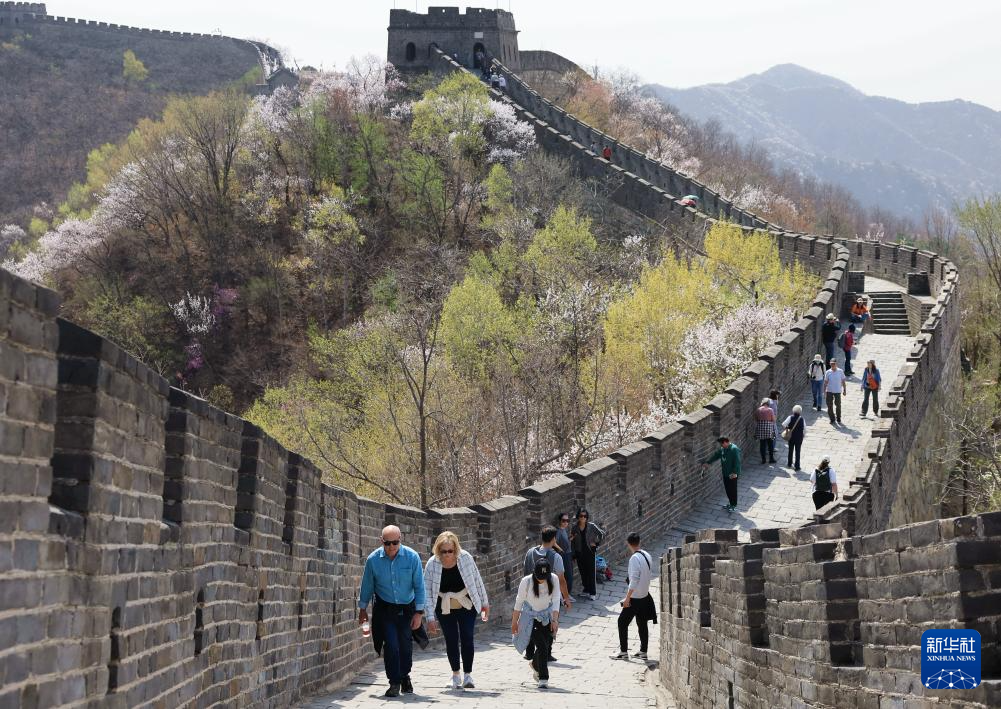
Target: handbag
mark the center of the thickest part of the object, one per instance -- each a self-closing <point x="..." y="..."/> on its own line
<point x="786" y="434"/>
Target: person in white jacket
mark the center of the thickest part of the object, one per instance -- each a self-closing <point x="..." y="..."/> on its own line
<point x="454" y="596"/>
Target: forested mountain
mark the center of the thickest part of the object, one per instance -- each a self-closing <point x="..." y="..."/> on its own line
<point x="902" y="157"/>
<point x="68" y="89"/>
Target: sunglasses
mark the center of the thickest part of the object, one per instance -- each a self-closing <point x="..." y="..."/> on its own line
<point x="390" y="542"/>
<point x="446" y="551"/>
<point x="565" y="519"/>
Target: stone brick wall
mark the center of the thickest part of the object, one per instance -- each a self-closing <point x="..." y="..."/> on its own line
<point x="809" y="617"/>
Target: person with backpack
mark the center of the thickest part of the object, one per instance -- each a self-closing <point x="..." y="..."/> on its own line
<point x="638" y="602"/>
<point x="795" y="425"/>
<point x="829" y="336"/>
<point x="536" y="617"/>
<point x="585" y="536"/>
<point x="816" y="372"/>
<point x="871" y="382"/>
<point x="546" y="551"/>
<point x="847" y="343"/>
<point x="825" y="483"/>
<point x="764" y="418"/>
<point x="728" y="456"/>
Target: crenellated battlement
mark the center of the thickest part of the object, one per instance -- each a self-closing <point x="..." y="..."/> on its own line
<point x="832" y="620"/>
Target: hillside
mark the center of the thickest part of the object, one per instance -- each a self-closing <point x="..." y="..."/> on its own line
<point x="65" y="94"/>
<point x="899" y="156"/>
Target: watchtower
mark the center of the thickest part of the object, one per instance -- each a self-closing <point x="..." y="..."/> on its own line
<point x="412" y="36"/>
<point x="15" y="13"/>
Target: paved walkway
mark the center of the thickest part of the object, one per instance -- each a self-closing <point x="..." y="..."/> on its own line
<point x="769" y="496"/>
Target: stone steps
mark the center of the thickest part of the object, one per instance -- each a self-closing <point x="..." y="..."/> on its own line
<point x="889" y="315"/>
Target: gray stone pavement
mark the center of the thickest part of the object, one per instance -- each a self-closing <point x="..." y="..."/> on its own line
<point x="769" y="496"/>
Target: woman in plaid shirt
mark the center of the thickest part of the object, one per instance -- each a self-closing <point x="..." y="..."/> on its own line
<point x="454" y="596"/>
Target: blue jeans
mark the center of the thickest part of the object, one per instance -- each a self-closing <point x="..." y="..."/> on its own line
<point x="457" y="627"/>
<point x="398" y="645"/>
<point x="817" y="387"/>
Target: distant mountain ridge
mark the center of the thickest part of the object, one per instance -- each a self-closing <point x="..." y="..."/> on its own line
<point x="900" y="156"/>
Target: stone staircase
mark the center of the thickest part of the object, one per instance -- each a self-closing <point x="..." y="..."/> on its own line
<point x="889" y="316"/>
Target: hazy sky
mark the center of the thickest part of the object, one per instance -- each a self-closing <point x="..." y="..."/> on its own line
<point x="914" y="50"/>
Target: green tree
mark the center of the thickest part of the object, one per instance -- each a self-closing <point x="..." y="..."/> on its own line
<point x="134" y="71"/>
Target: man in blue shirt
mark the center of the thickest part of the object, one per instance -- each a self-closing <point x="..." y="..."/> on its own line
<point x="395" y="576"/>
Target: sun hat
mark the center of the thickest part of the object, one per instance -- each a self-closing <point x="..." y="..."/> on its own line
<point x="830" y="316"/>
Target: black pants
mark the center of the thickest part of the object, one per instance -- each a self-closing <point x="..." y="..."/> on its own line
<point x="542" y="638"/>
<point x="875" y="401"/>
<point x="822" y="498"/>
<point x="794" y="447"/>
<point x="767" y="446"/>
<point x="457" y="627"/>
<point x="848" y="361"/>
<point x="625" y="618"/>
<point x="585" y="564"/>
<point x="833" y="402"/>
<point x="730" y="485"/>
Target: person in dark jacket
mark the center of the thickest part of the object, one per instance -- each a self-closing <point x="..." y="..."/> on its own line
<point x="563" y="542"/>
<point x="729" y="457"/>
<point x="796" y="425"/>
<point x="829" y="335"/>
<point x="847" y="345"/>
<point x="585" y="536"/>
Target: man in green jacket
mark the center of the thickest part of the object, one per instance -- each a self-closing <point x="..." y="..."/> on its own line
<point x="729" y="457"/>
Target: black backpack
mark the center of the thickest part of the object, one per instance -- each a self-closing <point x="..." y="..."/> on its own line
<point x="823" y="479"/>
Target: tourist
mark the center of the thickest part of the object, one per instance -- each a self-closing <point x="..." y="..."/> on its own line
<point x="606" y="153"/>
<point x="729" y="459"/>
<point x="536" y="617"/>
<point x="565" y="550"/>
<point x="454" y="595"/>
<point x="494" y="80"/>
<point x="795" y="424"/>
<point x="871" y="382"/>
<point x="825" y="483"/>
<point x="546" y="550"/>
<point x="638" y="602"/>
<point x="585" y="536"/>
<point x="835" y="384"/>
<point x="764" y="431"/>
<point x="773" y="401"/>
<point x="829" y="336"/>
<point x="816" y="371"/>
<point x="502" y="82"/>
<point x="847" y="343"/>
<point x="859" y="314"/>
<point x="394" y="577"/>
<point x="594" y="147"/>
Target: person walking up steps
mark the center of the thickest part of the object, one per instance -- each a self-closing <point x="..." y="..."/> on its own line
<point x="454" y="595"/>
<point x="816" y="371"/>
<point x="871" y="382"/>
<point x="835" y="384"/>
<point x="536" y="617"/>
<point x="585" y="536"/>
<point x="825" y="483"/>
<point x="796" y="426"/>
<point x="638" y="602"/>
<point x="764" y="431"/>
<point x="728" y="456"/>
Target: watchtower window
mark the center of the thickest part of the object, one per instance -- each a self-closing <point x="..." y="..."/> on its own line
<point x="479" y="56"/>
<point x="411" y="51"/>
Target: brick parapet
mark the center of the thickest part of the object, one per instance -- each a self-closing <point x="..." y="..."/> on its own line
<point x="827" y="619"/>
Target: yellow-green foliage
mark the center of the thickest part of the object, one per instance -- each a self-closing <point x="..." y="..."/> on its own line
<point x="476" y="327"/>
<point x="562" y="249"/>
<point x="134" y="71"/>
<point x="452" y="113"/>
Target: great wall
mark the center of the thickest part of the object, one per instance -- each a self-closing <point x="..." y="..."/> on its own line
<point x="156" y="551"/>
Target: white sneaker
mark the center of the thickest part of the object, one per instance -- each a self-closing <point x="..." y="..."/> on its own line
<point x="543" y="684"/>
<point x="571" y="599"/>
<point x="640" y="655"/>
<point x="467" y="682"/>
<point x="456" y="683"/>
<point x="623" y="655"/>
